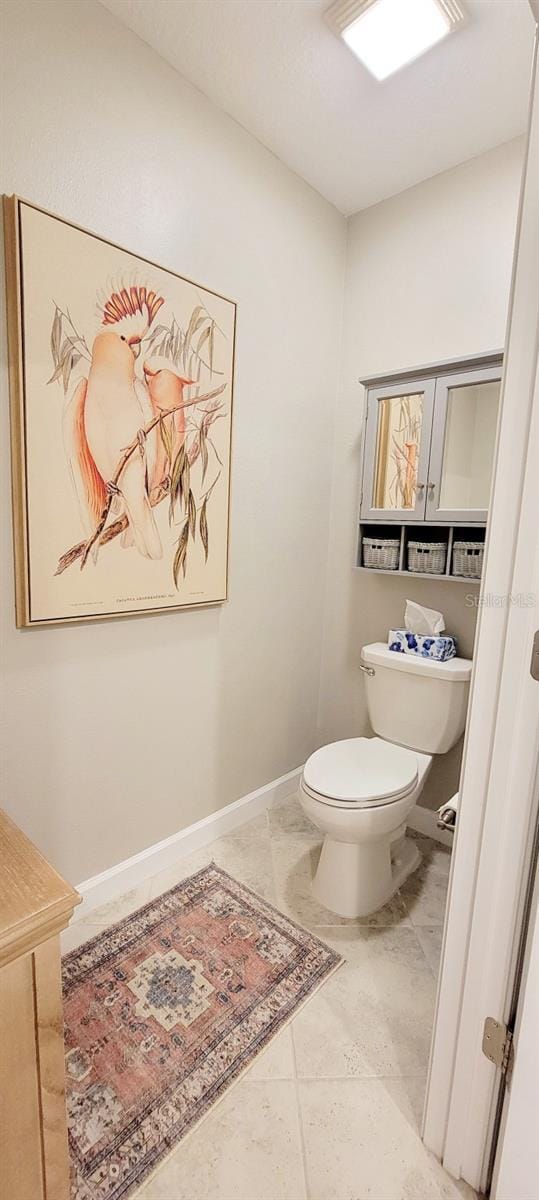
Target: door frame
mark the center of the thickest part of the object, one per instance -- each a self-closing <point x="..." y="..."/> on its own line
<point x="516" y="1167"/>
<point x="501" y="747"/>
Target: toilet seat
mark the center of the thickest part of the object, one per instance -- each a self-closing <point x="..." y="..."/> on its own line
<point x="360" y="773"/>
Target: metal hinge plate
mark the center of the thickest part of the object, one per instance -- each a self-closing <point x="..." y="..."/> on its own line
<point x="534" y="664"/>
<point x="498" y="1045"/>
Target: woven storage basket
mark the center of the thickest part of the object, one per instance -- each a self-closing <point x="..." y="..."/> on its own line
<point x="381" y="552"/>
<point x="427" y="556"/>
<point x="468" y="559"/>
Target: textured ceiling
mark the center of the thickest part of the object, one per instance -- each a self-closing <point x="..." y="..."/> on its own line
<point x="279" y="71"/>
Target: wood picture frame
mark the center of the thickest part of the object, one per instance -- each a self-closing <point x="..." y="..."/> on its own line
<point x="121" y="386"/>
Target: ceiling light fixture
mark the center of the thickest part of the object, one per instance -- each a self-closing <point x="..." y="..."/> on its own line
<point x="387" y="34"/>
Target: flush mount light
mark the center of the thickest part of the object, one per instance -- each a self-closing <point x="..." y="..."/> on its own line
<point x="386" y="34"/>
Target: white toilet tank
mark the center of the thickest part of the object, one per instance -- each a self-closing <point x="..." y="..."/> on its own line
<point x="416" y="702"/>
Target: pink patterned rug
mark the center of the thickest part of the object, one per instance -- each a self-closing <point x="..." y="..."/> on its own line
<point x="164" y="1011"/>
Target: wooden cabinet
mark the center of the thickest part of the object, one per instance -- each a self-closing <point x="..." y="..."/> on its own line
<point x="35" y="905"/>
<point x="429" y="445"/>
<point x="461" y="460"/>
<point x="397" y="446"/>
<point x="428" y="458"/>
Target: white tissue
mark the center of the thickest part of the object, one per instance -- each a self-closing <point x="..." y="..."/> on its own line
<point x="423" y="620"/>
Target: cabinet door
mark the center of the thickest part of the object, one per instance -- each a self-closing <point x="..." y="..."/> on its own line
<point x="463" y="441"/>
<point x="397" y="445"/>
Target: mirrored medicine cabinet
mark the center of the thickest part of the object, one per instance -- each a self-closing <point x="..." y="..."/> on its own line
<point x="428" y="458"/>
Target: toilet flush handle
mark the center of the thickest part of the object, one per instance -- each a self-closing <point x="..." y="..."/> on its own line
<point x="367" y="670"/>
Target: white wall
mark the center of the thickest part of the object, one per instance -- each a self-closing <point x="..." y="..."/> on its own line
<point x="117" y="734"/>
<point x="428" y="276"/>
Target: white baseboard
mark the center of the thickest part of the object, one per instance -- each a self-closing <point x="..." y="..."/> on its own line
<point x="102" y="888"/>
<point x="425" y="820"/>
<point x="128" y="874"/>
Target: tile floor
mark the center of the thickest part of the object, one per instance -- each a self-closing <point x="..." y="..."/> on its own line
<point x="331" y="1109"/>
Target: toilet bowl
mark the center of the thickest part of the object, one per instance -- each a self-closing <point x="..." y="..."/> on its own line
<point x="359" y="792"/>
<point x="365" y="857"/>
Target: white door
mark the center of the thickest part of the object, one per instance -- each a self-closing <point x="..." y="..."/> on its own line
<point x="498" y="795"/>
<point x="516" y="1169"/>
<point x="516" y="1172"/>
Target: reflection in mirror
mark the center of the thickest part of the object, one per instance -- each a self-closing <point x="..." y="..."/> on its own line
<point x="397" y="451"/>
<point x="470" y="434"/>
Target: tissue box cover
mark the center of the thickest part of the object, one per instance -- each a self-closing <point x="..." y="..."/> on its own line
<point x="440" y="647"/>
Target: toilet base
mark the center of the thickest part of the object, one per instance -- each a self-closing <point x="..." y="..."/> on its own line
<point x="355" y="880"/>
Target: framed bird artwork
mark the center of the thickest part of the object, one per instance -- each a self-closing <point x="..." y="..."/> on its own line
<point x="121" y="381"/>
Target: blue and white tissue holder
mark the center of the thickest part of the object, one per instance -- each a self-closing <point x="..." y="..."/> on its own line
<point x="441" y="647"/>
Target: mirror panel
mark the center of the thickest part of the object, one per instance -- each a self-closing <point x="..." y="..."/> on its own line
<point x="468" y="454"/>
<point x="398" y="443"/>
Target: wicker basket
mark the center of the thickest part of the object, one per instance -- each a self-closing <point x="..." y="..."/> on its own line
<point x="427" y="557"/>
<point x="468" y="559"/>
<point x="381" y="553"/>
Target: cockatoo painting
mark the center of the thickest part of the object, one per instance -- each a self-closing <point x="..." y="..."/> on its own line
<point x="166" y="390"/>
<point x="127" y="437"/>
<point x="103" y="416"/>
<point x="124" y="432"/>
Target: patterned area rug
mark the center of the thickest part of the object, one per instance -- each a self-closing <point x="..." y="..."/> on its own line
<point x="164" y="1011"/>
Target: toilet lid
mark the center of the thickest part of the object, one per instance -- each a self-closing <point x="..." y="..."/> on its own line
<point x="361" y="770"/>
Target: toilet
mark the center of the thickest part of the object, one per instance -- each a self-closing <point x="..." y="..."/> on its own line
<point x="359" y="792"/>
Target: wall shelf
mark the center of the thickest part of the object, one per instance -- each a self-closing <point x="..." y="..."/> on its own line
<point x="425" y="532"/>
<point x="419" y="575"/>
<point x="428" y="449"/>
